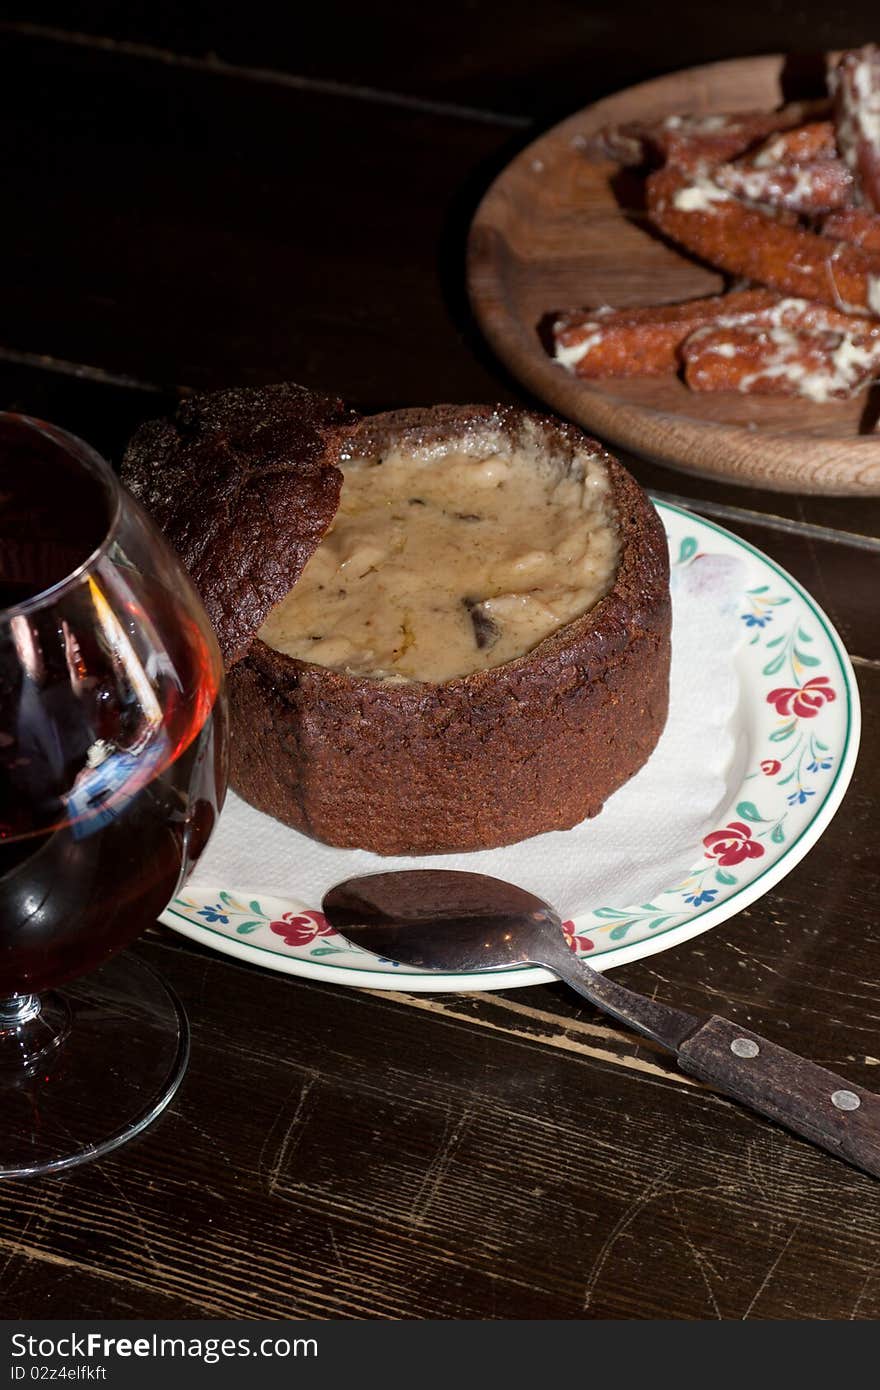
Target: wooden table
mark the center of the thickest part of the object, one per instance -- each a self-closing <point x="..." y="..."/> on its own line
<point x="190" y="204"/>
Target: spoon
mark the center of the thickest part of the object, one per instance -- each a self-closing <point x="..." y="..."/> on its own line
<point x="439" y="919"/>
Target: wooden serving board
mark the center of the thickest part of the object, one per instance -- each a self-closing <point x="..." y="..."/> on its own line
<point x="557" y="231"/>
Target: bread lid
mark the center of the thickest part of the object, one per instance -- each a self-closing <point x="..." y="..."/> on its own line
<point x="244" y="484"/>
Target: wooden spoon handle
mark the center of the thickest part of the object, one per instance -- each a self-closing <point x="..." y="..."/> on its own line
<point x="796" y="1093"/>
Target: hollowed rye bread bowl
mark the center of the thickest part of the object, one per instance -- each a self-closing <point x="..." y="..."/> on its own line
<point x="246" y="483"/>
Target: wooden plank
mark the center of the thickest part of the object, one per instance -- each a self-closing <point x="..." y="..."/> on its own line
<point x="179" y="227"/>
<point x="333" y="1154"/>
<point x="103" y="412"/>
<point x="462" y="53"/>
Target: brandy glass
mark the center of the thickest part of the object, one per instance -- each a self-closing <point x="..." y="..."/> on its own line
<point x="112" y="773"/>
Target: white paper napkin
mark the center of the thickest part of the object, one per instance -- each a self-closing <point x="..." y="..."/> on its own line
<point x="646" y="837"/>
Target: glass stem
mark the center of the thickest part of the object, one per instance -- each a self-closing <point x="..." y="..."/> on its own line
<point x="30" y="1029"/>
<point x="18" y="1010"/>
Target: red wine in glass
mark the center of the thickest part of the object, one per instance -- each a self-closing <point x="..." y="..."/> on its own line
<point x="112" y="773"/>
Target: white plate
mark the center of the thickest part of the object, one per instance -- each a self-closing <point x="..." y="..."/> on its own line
<point x="795" y="726"/>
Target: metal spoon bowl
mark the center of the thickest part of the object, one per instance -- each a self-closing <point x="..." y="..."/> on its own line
<point x="439" y="919"/>
<point x="443" y="920"/>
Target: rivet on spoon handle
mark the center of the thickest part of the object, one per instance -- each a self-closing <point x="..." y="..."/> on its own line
<point x="804" y="1097"/>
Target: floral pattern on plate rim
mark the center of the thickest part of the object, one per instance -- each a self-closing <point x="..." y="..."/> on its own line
<point x="791" y="767"/>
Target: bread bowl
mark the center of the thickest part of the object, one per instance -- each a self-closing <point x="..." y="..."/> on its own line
<point x="246" y="484"/>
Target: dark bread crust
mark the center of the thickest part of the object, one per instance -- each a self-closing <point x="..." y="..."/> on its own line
<point x="243" y="484"/>
<point x="487" y="759"/>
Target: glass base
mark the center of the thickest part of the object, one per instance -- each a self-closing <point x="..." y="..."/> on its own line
<point x="86" y="1068"/>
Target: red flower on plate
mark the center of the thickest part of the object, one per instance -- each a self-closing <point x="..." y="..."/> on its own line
<point x="803" y="702"/>
<point x="301" y="928"/>
<point x="573" y="942"/>
<point x="770" y="767"/>
<point x="732" y="845"/>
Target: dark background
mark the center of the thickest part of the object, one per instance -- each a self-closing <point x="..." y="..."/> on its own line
<point x="527" y="58"/>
